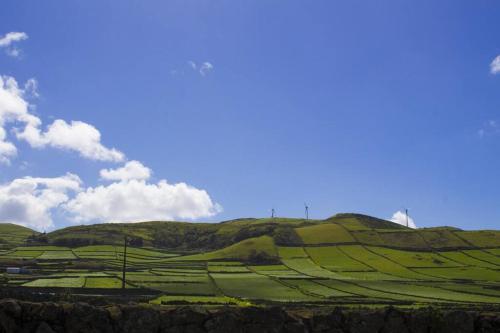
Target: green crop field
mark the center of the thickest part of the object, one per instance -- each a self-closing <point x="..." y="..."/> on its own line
<point x="324" y="234"/>
<point x="347" y="259"/>
<point x="415" y="259"/>
<point x="333" y="259"/>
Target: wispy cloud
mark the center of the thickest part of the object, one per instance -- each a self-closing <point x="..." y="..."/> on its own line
<point x="203" y="69"/>
<point x="495" y="65"/>
<point x="8" y="40"/>
<point x="491" y="127"/>
<point x="192" y="64"/>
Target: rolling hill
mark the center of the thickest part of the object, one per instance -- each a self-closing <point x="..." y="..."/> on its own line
<point x="345" y="259"/>
<point x="337" y="230"/>
<point x="13" y="234"/>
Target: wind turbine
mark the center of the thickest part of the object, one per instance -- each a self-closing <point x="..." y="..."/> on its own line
<point x="272" y="213"/>
<point x="307" y="211"/>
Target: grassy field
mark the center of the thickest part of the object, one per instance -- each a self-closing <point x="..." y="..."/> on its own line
<point x="347" y="259"/>
<point x="14" y="235"/>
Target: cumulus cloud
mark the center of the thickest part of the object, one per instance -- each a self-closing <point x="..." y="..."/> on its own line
<point x="13" y="108"/>
<point x="495" y="66"/>
<point x="9" y="39"/>
<point x="7" y="149"/>
<point x="75" y="136"/>
<point x="399" y="217"/>
<point x="31" y="201"/>
<point x="136" y="200"/>
<point x="132" y="170"/>
<point x="12" y="37"/>
<point x="28" y="201"/>
<point x="206" y="68"/>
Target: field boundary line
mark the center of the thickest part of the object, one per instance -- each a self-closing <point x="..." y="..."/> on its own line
<point x="398" y="264"/>
<point x="486" y="261"/>
<point x="275" y="279"/>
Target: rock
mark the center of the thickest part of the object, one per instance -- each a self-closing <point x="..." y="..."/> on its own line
<point x="258" y="320"/>
<point x="395" y="322"/>
<point x="83" y="318"/>
<point x="333" y="322"/>
<point x="365" y="322"/>
<point x="27" y="317"/>
<point x="297" y="327"/>
<point x="458" y="322"/>
<point x="139" y="319"/>
<point x="418" y="322"/>
<point x="488" y="324"/>
<point x="7" y="324"/>
<point x="10" y="312"/>
<point x="115" y="313"/>
<point x="224" y="321"/>
<point x="51" y="313"/>
<point x="44" y="328"/>
<point x="11" y="308"/>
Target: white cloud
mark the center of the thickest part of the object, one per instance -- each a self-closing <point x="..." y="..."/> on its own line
<point x="76" y="136"/>
<point x="7" y="40"/>
<point x="192" y="64"/>
<point x="495" y="66"/>
<point x="206" y="68"/>
<point x="11" y="37"/>
<point x="7" y="149"/>
<point x="28" y="201"/>
<point x="131" y="170"/>
<point x="137" y="200"/>
<point x="399" y="217"/>
<point x="13" y="108"/>
<point x="13" y="52"/>
<point x="31" y="88"/>
<point x="491" y="127"/>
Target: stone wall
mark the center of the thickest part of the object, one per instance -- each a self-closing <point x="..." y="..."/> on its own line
<point x="48" y="317"/>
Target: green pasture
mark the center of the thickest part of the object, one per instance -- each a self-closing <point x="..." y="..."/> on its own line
<point x="346" y="259"/>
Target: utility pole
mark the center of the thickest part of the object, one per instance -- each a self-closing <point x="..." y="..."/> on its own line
<point x="406" y="212"/>
<point x="124" y="262"/>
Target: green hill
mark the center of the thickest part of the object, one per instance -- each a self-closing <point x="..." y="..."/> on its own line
<point x="339" y="229"/>
<point x="348" y="259"/>
<point x="13" y="234"/>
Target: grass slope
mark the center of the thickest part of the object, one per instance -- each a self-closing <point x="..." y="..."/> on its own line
<point x="346" y="259"/>
<point x="14" y="235"/>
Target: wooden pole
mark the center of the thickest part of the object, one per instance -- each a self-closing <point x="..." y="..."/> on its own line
<point x="124" y="270"/>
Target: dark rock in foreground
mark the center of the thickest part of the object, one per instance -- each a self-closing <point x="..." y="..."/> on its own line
<point x="49" y="317"/>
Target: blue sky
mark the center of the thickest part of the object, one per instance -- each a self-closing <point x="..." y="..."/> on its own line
<point x="350" y="106"/>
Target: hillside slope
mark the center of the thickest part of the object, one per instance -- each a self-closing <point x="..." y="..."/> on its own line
<point x="13" y="234"/>
<point x="338" y="229"/>
<point x="346" y="259"/>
